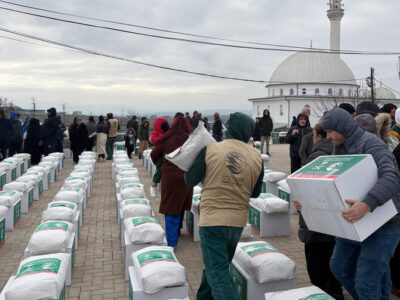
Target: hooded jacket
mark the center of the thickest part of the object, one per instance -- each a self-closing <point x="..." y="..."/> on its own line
<point x="295" y="140"/>
<point x="157" y="132"/>
<point x="266" y="125"/>
<point x="17" y="128"/>
<point x="127" y="138"/>
<point x="6" y="128"/>
<point x="360" y="142"/>
<point x="50" y="126"/>
<point x="232" y="171"/>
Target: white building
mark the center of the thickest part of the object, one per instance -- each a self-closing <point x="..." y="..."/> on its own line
<point x="319" y="80"/>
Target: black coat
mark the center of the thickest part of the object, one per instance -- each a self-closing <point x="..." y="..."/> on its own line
<point x="266" y="126"/>
<point x="6" y="130"/>
<point x="78" y="137"/>
<point x="133" y="124"/>
<point x="32" y="140"/>
<point x="257" y="133"/>
<point x="396" y="153"/>
<point x="306" y="147"/>
<point x="322" y="147"/>
<point x="50" y="128"/>
<point x="217" y="130"/>
<point x="102" y="128"/>
<point x="295" y="140"/>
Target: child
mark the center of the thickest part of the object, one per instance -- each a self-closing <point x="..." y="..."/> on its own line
<point x="130" y="141"/>
<point x="160" y="128"/>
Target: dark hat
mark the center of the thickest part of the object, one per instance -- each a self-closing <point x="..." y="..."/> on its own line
<point x="52" y="109"/>
<point x="348" y="107"/>
<point x="366" y="122"/>
<point x="387" y="108"/>
<point x="302" y="116"/>
<point x="367" y="107"/>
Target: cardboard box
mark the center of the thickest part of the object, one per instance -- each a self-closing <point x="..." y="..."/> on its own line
<point x="285" y="195"/>
<point x="13" y="216"/>
<point x="3" y="179"/>
<point x="131" y="248"/>
<point x="27" y="201"/>
<point x="122" y="226"/>
<point x="2" y="231"/>
<point x="250" y="289"/>
<point x="136" y="290"/>
<point x="10" y="281"/>
<point x="269" y="225"/>
<point x="70" y="250"/>
<point x="322" y="187"/>
<point x="192" y="220"/>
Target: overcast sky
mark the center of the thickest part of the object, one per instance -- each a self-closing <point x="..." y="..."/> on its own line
<point x="98" y="85"/>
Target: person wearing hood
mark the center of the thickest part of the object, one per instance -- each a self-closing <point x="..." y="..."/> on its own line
<point x="49" y="132"/>
<point x="390" y="108"/>
<point x="143" y="136"/>
<point x="363" y="267"/>
<point x="175" y="196"/>
<point x="232" y="172"/>
<point x="395" y="129"/>
<point x="78" y="138"/>
<point x="257" y="131"/>
<point x="130" y="137"/>
<point x="133" y="123"/>
<point x="17" y="137"/>
<point x="6" y="131"/>
<point x="294" y="137"/>
<point x="318" y="247"/>
<point x="32" y="141"/>
<point x="91" y="128"/>
<point x="195" y="119"/>
<point x="101" y="138"/>
<point x="161" y="126"/>
<point x="266" y="126"/>
<point x="217" y="128"/>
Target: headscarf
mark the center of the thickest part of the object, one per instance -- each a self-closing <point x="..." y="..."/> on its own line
<point x="180" y="126"/>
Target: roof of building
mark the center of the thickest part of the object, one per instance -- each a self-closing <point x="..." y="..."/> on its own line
<point x="313" y="67"/>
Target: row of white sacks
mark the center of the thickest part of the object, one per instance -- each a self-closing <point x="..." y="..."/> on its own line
<point x="49" y="256"/>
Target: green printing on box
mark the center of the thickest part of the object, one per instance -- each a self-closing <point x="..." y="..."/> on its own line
<point x="29" y="163"/>
<point x="48" y="179"/>
<point x="320" y="296"/>
<point x="189" y="222"/>
<point x="264" y="187"/>
<point x="62" y="162"/>
<point x="30" y="198"/>
<point x="254" y="218"/>
<point x="40" y="184"/>
<point x="3" y="179"/>
<point x="22" y="168"/>
<point x="62" y="295"/>
<point x="73" y="254"/>
<point x="55" y="174"/>
<point x="17" y="213"/>
<point x="13" y="174"/>
<point x="2" y="231"/>
<point x="284" y="195"/>
<point x="130" y="290"/>
<point x="239" y="282"/>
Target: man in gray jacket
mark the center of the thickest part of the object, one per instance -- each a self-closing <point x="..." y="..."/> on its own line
<point x="363" y="267"/>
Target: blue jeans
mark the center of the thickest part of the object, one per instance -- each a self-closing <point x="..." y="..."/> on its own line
<point x="218" y="245"/>
<point x="363" y="268"/>
<point x="173" y="224"/>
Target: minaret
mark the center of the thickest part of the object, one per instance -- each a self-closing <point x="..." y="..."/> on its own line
<point x="335" y="15"/>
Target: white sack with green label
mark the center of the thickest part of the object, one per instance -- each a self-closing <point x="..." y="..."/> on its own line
<point x="62" y="211"/>
<point x="132" y="190"/>
<point x="143" y="230"/>
<point x="138" y="207"/>
<point x="8" y="198"/>
<point x="270" y="204"/>
<point x="306" y="293"/>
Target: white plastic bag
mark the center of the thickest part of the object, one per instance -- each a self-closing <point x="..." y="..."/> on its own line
<point x="3" y="211"/>
<point x="144" y="230"/>
<point x="40" y="277"/>
<point x="125" y="179"/>
<point x="305" y="293"/>
<point x="284" y="185"/>
<point x="273" y="176"/>
<point x="8" y="198"/>
<point x="264" y="262"/>
<point x="270" y="204"/>
<point x="132" y="190"/>
<point x="185" y="155"/>
<point x="247" y="232"/>
<point x="50" y="237"/>
<point x="157" y="267"/>
<point x="18" y="186"/>
<point x="196" y="203"/>
<point x="197" y="190"/>
<point x="76" y="181"/>
<point x="126" y="170"/>
<point x="62" y="211"/>
<point x="71" y="194"/>
<point x="135" y="208"/>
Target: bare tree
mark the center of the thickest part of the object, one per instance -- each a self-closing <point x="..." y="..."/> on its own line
<point x="6" y="105"/>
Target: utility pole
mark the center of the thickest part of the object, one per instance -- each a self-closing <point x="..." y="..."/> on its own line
<point x="371" y="84"/>
<point x="34" y="106"/>
<point x="63" y="107"/>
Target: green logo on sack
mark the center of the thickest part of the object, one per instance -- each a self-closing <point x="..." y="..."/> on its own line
<point x="72" y="189"/>
<point x="266" y="196"/>
<point x="43" y="265"/>
<point x="127" y="169"/>
<point x="196" y="198"/>
<point x="131" y="186"/>
<point x="143" y="220"/>
<point x="62" y="204"/>
<point x="155" y="256"/>
<point x="320" y="296"/>
<point x="2" y="231"/>
<point x="7" y="193"/>
<point x="52" y="226"/>
<point x="75" y="178"/>
<point x="258" y="249"/>
<point x="136" y="201"/>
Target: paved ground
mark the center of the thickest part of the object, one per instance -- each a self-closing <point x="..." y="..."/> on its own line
<point x="98" y="271"/>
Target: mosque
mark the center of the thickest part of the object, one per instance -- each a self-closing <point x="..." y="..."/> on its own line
<point x="318" y="80"/>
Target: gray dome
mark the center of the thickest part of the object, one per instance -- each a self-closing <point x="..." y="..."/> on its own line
<point x="384" y="93"/>
<point x="313" y="67"/>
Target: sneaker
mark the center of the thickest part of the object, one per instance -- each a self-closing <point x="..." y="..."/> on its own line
<point x="153" y="190"/>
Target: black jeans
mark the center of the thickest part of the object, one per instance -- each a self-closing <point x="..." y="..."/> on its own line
<point x="15" y="148"/>
<point x="130" y="149"/>
<point x="295" y="163"/>
<point x="3" y="150"/>
<point x="318" y="256"/>
<point x="395" y="268"/>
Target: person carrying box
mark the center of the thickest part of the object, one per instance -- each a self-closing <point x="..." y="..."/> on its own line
<point x="363" y="267"/>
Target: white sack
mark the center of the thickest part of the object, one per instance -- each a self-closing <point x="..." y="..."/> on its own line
<point x="184" y="156"/>
<point x="247" y="232"/>
<point x="8" y="198"/>
<point x="144" y="230"/>
<point x="135" y="208"/>
<point x="18" y="186"/>
<point x="76" y="181"/>
<point x="125" y="169"/>
<point x="57" y="154"/>
<point x="270" y="204"/>
<point x="196" y="203"/>
<point x="50" y="237"/>
<point x="132" y="190"/>
<point x="305" y="293"/>
<point x="157" y="267"/>
<point x="125" y="179"/>
<point x="61" y="211"/>
<point x="284" y="185"/>
<point x="40" y="277"/>
<point x="3" y="211"/>
<point x="264" y="262"/>
<point x="272" y="176"/>
<point x="70" y="194"/>
<point x="197" y="190"/>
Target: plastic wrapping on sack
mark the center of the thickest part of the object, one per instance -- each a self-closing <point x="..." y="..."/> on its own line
<point x="197" y="190"/>
<point x="196" y="203"/>
<point x="185" y="155"/>
<point x="3" y="211"/>
<point x="37" y="176"/>
<point x="70" y="194"/>
<point x="76" y="181"/>
<point x="80" y="166"/>
<point x="270" y="204"/>
<point x="57" y="154"/>
<point x="157" y="267"/>
<point x="41" y="168"/>
<point x="284" y="185"/>
<point x="247" y="232"/>
<point x="40" y="277"/>
<point x="273" y="176"/>
<point x="121" y="160"/>
<point x="135" y="208"/>
<point x="8" y="198"/>
<point x="264" y="262"/>
<point x="81" y="174"/>
<point x="144" y="230"/>
<point x="50" y="237"/>
<point x="18" y="186"/>
<point x="306" y="293"/>
<point x="125" y="169"/>
<point x="51" y="158"/>
<point x="62" y="211"/>
<point x="125" y="179"/>
<point x="132" y="190"/>
<point x="4" y="167"/>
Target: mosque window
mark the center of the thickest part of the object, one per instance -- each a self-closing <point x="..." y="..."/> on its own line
<point x="281" y="92"/>
<point x="291" y="91"/>
<point x="273" y="92"/>
<point x="350" y="93"/>
<point x="281" y="110"/>
<point x="304" y="91"/>
<point x="340" y="92"/>
<point x="317" y="91"/>
<point x="329" y="91"/>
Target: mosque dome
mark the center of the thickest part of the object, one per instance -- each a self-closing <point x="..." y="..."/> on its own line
<point x="384" y="93"/>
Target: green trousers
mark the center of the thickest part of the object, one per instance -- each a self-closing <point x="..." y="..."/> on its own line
<point x="218" y="245"/>
<point x="157" y="174"/>
<point x="110" y="147"/>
